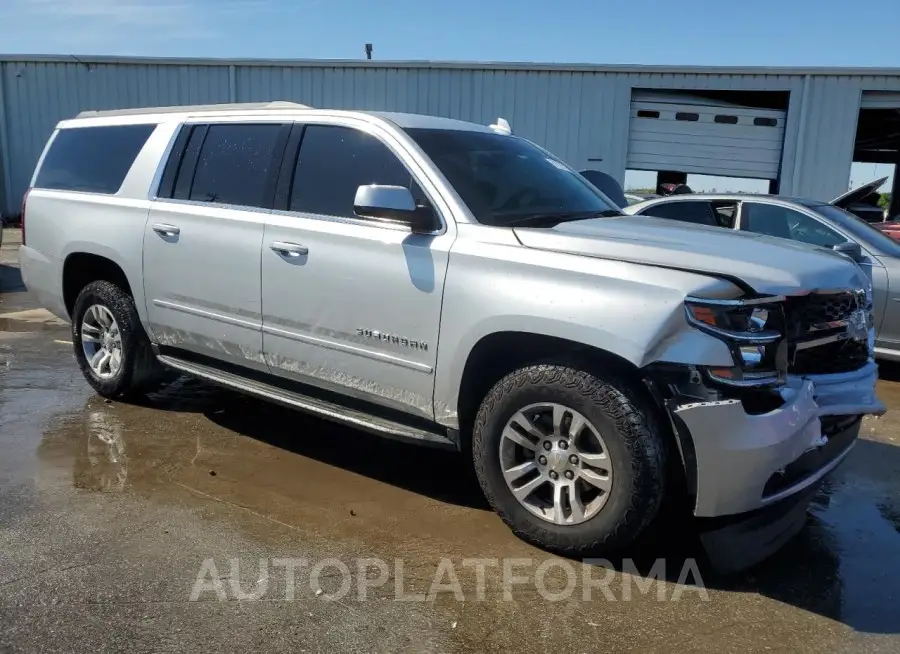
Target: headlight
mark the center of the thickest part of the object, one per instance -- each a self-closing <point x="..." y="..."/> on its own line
<point x="753" y="329"/>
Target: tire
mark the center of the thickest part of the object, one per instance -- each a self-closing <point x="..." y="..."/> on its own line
<point x="140" y="371"/>
<point x="632" y="440"/>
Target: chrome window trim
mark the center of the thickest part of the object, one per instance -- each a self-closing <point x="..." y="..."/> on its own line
<point x="358" y="221"/>
<point x="214" y="205"/>
<point x="153" y="191"/>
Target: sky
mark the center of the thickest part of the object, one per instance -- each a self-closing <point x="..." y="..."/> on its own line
<point x="674" y="32"/>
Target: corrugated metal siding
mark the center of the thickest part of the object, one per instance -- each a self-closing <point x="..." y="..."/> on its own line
<point x="881" y="100"/>
<point x="580" y="112"/>
<point x="38" y="95"/>
<point x="825" y="137"/>
<point x="554" y="109"/>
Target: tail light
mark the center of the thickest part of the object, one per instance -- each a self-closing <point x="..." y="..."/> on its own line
<point x="22" y="220"/>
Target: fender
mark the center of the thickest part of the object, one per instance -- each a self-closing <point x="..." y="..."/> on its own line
<point x="130" y="261"/>
<point x="632" y="311"/>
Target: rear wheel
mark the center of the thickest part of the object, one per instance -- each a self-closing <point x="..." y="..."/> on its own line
<point x="111" y="346"/>
<point x="572" y="462"/>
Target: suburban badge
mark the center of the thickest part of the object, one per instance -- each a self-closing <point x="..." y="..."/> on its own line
<point x="402" y="341"/>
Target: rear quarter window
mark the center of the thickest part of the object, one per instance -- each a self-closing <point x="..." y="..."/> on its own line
<point x="92" y="159"/>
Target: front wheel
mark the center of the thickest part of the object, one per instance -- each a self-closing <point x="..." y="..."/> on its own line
<point x="572" y="463"/>
<point x="111" y="346"/>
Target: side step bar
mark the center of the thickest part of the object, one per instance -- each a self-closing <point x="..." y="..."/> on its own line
<point x="329" y="410"/>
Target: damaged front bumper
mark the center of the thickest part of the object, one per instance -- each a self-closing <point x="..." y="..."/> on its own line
<point x="744" y="462"/>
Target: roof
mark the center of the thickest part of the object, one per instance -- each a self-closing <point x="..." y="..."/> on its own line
<point x="87" y="60"/>
<point x="402" y="120"/>
<point x="737" y="196"/>
<point x="197" y="108"/>
<point x="687" y="197"/>
<point x="421" y="121"/>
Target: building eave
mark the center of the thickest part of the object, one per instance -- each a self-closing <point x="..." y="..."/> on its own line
<point x="464" y="65"/>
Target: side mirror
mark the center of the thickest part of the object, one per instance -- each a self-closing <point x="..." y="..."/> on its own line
<point x="851" y="249"/>
<point x="606" y="185"/>
<point x="394" y="203"/>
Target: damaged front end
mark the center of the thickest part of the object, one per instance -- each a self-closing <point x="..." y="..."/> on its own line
<point x="786" y="412"/>
<point x="757" y="438"/>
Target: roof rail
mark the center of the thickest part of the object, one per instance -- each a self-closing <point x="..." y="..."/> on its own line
<point x="203" y="108"/>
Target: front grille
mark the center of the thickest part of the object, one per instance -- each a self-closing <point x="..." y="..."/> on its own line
<point x="819" y="316"/>
<point x="816" y="309"/>
<point x="841" y="356"/>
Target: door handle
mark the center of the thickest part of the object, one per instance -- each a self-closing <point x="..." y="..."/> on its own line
<point x="166" y="230"/>
<point x="289" y="249"/>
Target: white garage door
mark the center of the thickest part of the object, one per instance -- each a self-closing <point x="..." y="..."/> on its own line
<point x="694" y="135"/>
<point x="880" y="100"/>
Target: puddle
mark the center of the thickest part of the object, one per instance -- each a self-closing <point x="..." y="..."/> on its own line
<point x="233" y="472"/>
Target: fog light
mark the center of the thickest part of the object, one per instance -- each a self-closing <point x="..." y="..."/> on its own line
<point x="726" y="374"/>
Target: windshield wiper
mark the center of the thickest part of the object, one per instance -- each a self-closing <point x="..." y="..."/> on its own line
<point x="554" y="219"/>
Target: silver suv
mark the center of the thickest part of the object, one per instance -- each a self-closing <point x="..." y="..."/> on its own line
<point x="455" y="285"/>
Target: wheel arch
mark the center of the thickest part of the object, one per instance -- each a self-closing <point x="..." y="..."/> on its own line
<point x="497" y="354"/>
<point x="84" y="263"/>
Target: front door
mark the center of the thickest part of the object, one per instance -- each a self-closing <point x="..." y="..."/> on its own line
<point x="784" y="222"/>
<point x="349" y="304"/>
<point x="203" y="243"/>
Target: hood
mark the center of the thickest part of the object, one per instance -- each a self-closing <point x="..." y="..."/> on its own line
<point x="858" y="194"/>
<point x="766" y="264"/>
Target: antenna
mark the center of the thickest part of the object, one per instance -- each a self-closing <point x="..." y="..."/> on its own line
<point x="501" y="126"/>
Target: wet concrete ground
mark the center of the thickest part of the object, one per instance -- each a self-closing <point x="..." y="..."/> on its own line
<point x="108" y="512"/>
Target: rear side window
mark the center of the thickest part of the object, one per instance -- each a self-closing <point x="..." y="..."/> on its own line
<point x="699" y="213"/>
<point x="92" y="159"/>
<point x="234" y="164"/>
<point x="334" y="162"/>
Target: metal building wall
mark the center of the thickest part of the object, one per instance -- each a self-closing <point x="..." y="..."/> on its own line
<point x="828" y="108"/>
<point x="579" y="112"/>
<point x="37" y="95"/>
<point x="568" y="112"/>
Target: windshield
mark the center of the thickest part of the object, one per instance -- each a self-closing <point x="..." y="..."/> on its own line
<point x="866" y="234"/>
<point x="506" y="180"/>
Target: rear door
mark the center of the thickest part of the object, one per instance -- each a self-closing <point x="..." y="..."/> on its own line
<point x="787" y="222"/>
<point x="203" y="240"/>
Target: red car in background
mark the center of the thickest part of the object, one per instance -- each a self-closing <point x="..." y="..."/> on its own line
<point x="890" y="227"/>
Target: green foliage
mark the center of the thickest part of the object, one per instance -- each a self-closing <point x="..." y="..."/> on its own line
<point x="884" y="200"/>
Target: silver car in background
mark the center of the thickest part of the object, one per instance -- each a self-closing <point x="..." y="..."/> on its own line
<point x="814" y="222"/>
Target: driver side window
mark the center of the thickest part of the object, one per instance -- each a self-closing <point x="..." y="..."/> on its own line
<point x="334" y="161"/>
<point x="782" y="222"/>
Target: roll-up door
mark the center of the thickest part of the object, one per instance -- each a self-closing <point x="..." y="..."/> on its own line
<point x="696" y="135"/>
